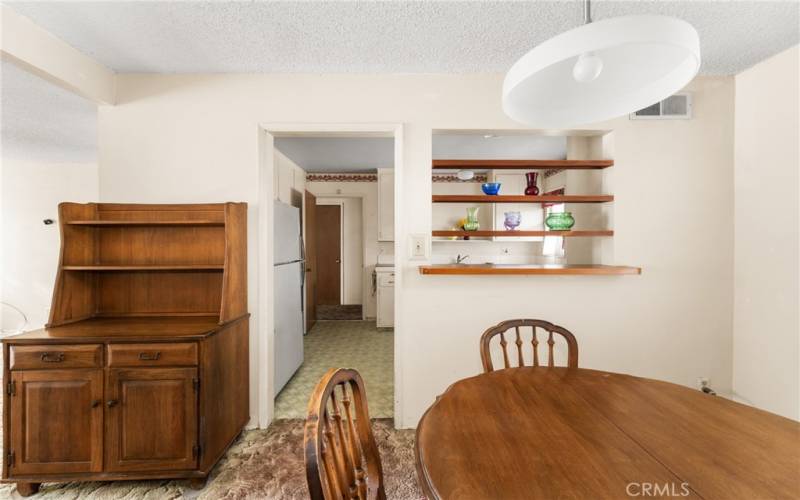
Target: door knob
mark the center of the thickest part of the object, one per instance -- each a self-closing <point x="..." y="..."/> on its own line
<point x="112" y="403"/>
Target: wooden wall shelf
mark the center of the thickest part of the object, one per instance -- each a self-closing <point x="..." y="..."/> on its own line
<point x="193" y="267"/>
<point x="144" y="223"/>
<point x="522" y="164"/>
<point x="528" y="269"/>
<point x="512" y="234"/>
<point x="482" y="198"/>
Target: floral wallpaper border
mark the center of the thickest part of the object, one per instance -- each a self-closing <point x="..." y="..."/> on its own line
<point x="355" y="177"/>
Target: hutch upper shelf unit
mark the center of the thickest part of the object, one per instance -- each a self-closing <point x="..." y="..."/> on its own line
<point x="142" y="369"/>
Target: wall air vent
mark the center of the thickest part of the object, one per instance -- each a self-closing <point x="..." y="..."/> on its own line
<point x="674" y="107"/>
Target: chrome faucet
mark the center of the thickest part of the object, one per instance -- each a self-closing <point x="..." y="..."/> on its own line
<point x="461" y="258"/>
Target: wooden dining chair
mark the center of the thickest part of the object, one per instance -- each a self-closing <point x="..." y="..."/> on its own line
<point x="549" y="329"/>
<point x="342" y="458"/>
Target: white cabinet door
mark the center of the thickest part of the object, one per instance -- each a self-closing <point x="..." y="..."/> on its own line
<point x="385" y="204"/>
<point x="385" y="300"/>
<point x="385" y="314"/>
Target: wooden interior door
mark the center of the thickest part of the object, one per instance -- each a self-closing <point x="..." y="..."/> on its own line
<point x="56" y="421"/>
<point x="311" y="259"/>
<point x="151" y="419"/>
<point x="329" y="254"/>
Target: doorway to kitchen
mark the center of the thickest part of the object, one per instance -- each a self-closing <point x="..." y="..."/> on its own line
<point x="343" y="185"/>
<point x="339" y="261"/>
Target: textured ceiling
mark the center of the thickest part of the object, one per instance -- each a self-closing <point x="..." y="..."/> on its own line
<point x="42" y="122"/>
<point x="366" y="154"/>
<point x="381" y="37"/>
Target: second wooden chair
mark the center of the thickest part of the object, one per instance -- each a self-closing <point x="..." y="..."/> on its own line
<point x="342" y="458"/>
<point x="549" y="328"/>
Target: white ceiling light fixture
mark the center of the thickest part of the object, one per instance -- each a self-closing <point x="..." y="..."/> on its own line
<point x="601" y="70"/>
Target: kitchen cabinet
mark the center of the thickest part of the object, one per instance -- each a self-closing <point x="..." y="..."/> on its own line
<point x="385" y="204"/>
<point x="385" y="299"/>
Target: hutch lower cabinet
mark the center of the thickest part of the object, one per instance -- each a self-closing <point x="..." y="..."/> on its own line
<point x="142" y="371"/>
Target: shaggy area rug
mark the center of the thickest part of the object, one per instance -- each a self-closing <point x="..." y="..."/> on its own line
<point x="262" y="464"/>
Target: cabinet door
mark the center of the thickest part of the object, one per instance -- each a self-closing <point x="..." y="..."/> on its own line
<point x="385" y="316"/>
<point x="151" y="419"/>
<point x="385" y="205"/>
<point x="56" y="421"/>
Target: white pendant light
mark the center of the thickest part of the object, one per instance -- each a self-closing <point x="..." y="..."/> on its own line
<point x="601" y="70"/>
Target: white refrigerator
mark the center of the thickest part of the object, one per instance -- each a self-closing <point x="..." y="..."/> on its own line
<point x="289" y="276"/>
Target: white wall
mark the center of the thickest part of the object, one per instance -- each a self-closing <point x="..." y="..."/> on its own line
<point x="189" y="138"/>
<point x="766" y="342"/>
<point x="31" y="193"/>
<point x="352" y="256"/>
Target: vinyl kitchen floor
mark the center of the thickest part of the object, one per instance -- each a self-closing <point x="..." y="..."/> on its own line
<point x="343" y="344"/>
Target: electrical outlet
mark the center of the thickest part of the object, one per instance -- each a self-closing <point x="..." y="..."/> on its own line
<point x="420" y="243"/>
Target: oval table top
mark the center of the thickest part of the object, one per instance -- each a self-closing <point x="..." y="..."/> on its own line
<point x="576" y="433"/>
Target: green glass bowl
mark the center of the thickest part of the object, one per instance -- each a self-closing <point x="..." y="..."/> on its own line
<point x="561" y="221"/>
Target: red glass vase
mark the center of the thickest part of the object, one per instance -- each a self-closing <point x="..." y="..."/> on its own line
<point x="532" y="189"/>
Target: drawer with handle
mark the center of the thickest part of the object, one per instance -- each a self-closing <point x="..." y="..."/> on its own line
<point x="181" y="354"/>
<point x="39" y="357"/>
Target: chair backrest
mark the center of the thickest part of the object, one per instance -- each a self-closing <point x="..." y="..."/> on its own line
<point x="342" y="458"/>
<point x="549" y="329"/>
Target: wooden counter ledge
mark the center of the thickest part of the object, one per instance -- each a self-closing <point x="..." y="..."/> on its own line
<point x="527" y="269"/>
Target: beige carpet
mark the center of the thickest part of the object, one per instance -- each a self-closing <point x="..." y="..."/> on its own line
<point x="263" y="464"/>
<point x="343" y="344"/>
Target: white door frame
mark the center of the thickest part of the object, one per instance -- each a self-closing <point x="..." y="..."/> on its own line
<point x="265" y="328"/>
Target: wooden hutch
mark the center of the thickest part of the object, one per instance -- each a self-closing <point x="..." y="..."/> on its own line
<point x="142" y="369"/>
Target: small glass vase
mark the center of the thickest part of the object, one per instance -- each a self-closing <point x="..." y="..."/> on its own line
<point x="472" y="219"/>
<point x="560" y="221"/>
<point x="512" y="220"/>
<point x="532" y="189"/>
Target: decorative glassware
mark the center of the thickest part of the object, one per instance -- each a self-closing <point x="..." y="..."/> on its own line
<point x="560" y="221"/>
<point x="512" y="220"/>
<point x="532" y="189"/>
<point x="490" y="188"/>
<point x="472" y="219"/>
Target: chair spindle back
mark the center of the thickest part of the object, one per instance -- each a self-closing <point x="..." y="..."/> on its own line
<point x="342" y="458"/>
<point x="501" y="329"/>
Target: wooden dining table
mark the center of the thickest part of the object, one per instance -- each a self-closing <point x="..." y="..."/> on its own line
<point x="576" y="433"/>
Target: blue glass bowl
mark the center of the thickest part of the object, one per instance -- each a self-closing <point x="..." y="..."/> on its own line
<point x="490" y="188"/>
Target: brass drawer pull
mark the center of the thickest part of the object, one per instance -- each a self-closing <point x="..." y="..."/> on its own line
<point x="146" y="356"/>
<point x="112" y="403"/>
<point x="52" y="357"/>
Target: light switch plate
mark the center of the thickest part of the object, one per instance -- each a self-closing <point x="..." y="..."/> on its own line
<point x="420" y="246"/>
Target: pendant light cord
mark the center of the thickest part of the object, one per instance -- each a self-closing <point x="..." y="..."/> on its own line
<point x="587" y="11"/>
